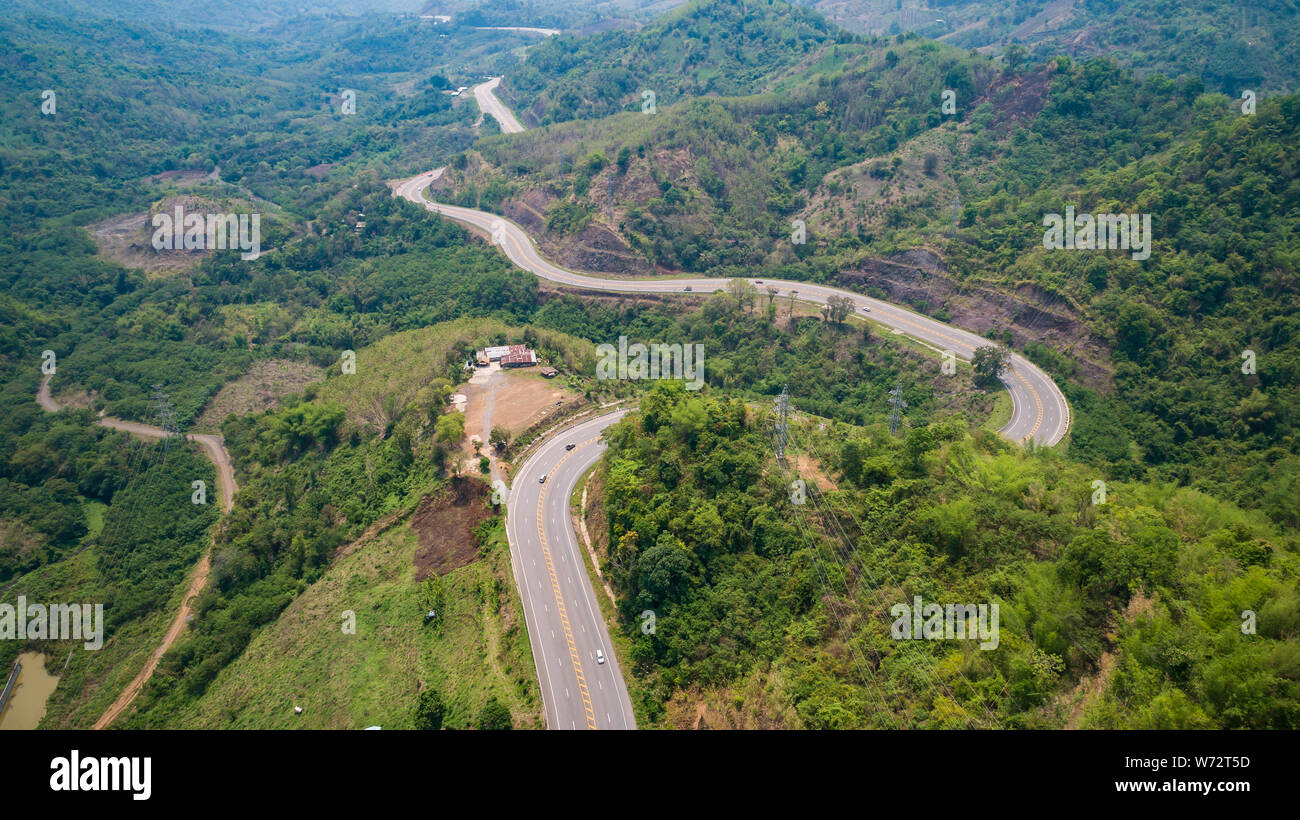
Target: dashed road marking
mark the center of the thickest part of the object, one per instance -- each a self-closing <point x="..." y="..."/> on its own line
<point x="559" y="600"/>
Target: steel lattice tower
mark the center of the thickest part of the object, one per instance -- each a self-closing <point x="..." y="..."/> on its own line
<point x="165" y="419"/>
<point x="782" y="421"/>
<point x="897" y="403"/>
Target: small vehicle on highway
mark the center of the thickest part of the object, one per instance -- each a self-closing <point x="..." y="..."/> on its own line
<point x="541" y="480"/>
<point x="600" y="656"/>
<point x="570" y="446"/>
<point x="686" y="289"/>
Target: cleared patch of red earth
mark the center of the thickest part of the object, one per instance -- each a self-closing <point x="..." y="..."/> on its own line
<point x="444" y="524"/>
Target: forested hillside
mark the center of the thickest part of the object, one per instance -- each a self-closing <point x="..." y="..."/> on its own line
<point x="773" y="612"/>
<point x="855" y="143"/>
<point x="222" y="14"/>
<point x="726" y="137"/>
<point x="146" y="113"/>
<point x="1229" y="46"/>
<point x="702" y="48"/>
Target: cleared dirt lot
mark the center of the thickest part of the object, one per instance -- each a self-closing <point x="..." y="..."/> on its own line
<point x="513" y="399"/>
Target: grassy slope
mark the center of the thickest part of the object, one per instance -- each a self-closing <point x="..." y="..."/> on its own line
<point x="392" y="371"/>
<point x="371" y="678"/>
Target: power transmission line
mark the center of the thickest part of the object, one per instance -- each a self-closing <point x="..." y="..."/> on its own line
<point x="826" y="515"/>
<point x="831" y="598"/>
<point x="163" y="409"/>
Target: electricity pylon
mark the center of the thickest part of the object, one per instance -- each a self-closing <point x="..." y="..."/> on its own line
<point x="165" y="418"/>
<point x="897" y="403"/>
<point x="782" y="420"/>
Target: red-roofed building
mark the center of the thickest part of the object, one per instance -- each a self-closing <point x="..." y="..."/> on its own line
<point x="508" y="355"/>
<point x="519" y="356"/>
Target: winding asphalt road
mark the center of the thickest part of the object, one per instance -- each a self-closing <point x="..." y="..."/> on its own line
<point x="565" y="625"/>
<point x="489" y="103"/>
<point x="1039" y="410"/>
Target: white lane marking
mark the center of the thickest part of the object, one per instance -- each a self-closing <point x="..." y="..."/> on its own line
<point x="568" y="537"/>
<point x="586" y="593"/>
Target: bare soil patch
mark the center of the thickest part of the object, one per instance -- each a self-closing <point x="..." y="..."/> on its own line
<point x="445" y="526"/>
<point x="260" y="389"/>
<point x="594" y="248"/>
<point x="513" y="399"/>
<point x="127" y="239"/>
<point x="811" y="467"/>
<point x="1091" y="687"/>
<point x="759" y="702"/>
<point x="920" y="276"/>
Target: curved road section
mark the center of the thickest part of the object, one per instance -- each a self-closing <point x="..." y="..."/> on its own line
<point x="565" y="624"/>
<point x="1039" y="410"/>
<point x="489" y="103"/>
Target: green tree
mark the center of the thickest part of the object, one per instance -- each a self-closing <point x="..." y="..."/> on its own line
<point x="919" y="441"/>
<point x="429" y="709"/>
<point x="839" y="308"/>
<point x="851" y="461"/>
<point x="744" y="292"/>
<point x="449" y="427"/>
<point x="1015" y="55"/>
<point x="499" y="439"/>
<point x="495" y="716"/>
<point x="988" y="363"/>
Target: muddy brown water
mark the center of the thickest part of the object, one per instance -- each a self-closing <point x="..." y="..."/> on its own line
<point x="26" y="704"/>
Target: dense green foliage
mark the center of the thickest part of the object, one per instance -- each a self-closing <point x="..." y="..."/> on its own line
<point x="136" y="102"/>
<point x="763" y="114"/>
<point x="732" y="172"/>
<point x="706" y="47"/>
<point x="840" y="371"/>
<point x="1228" y="45"/>
<point x="712" y="185"/>
<point x="143" y="536"/>
<point x="118" y="333"/>
<point x="429" y="709"/>
<point x="748" y="587"/>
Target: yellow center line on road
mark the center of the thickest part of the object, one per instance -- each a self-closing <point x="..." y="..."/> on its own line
<point x="559" y="598"/>
<point x="1038" y="421"/>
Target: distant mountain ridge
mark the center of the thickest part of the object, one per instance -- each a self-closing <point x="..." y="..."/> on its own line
<point x="234" y="14"/>
<point x="1218" y="41"/>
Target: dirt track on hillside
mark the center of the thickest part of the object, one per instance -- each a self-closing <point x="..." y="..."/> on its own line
<point x="217" y="454"/>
